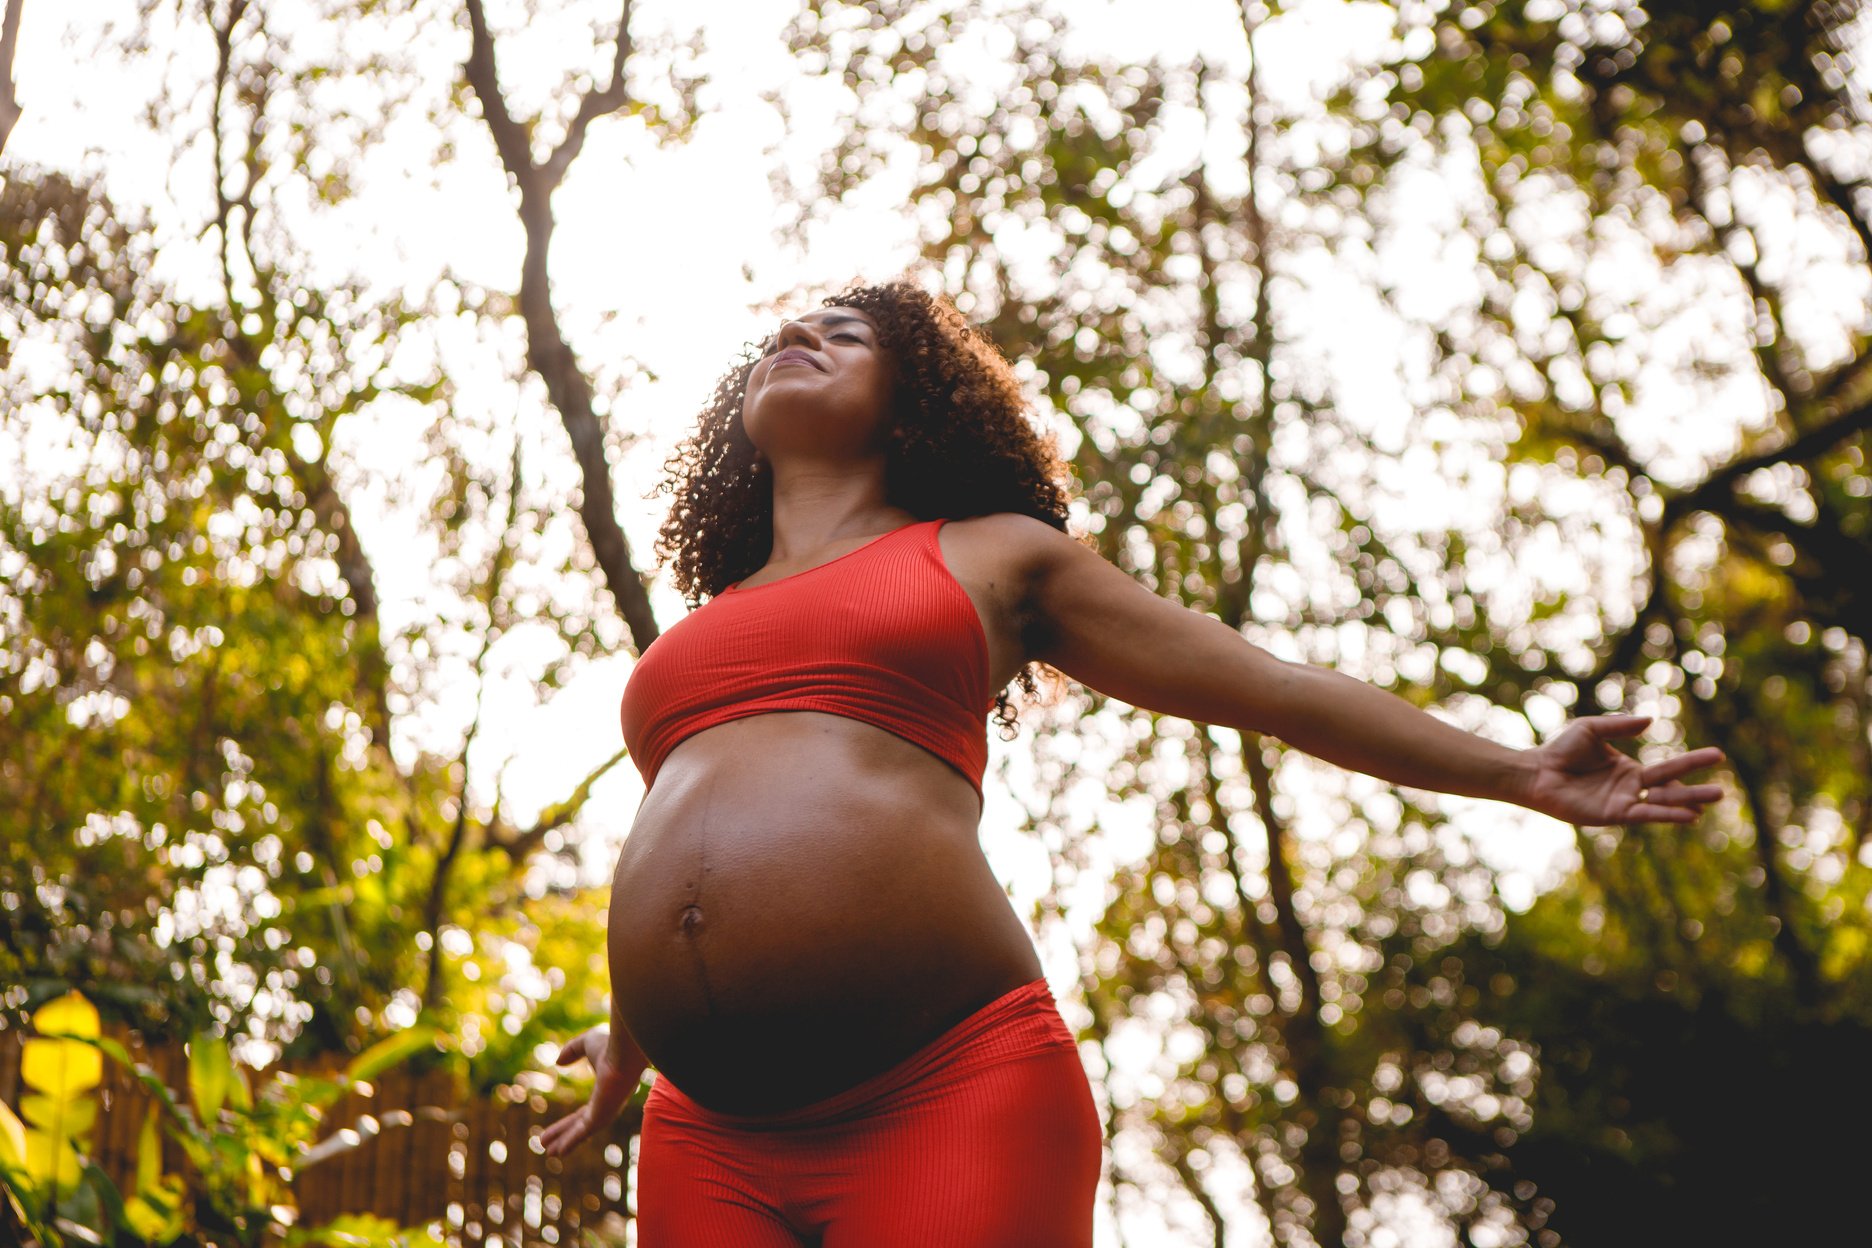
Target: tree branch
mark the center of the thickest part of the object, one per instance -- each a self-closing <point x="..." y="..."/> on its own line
<point x="1301" y="1032"/>
<point x="517" y="843"/>
<point x="458" y="835"/>
<point x="1803" y="968"/>
<point x="1625" y="647"/>
<point x="224" y="55"/>
<point x="510" y="137"/>
<point x="1816" y="441"/>
<point x="1765" y="301"/>
<point x="548" y="353"/>
<point x="433" y="904"/>
<point x="595" y="104"/>
<point x="1842" y="384"/>
<point x="1711" y="494"/>
<point x="9" y="40"/>
<point x="1192" y="1183"/>
<point x="354" y="568"/>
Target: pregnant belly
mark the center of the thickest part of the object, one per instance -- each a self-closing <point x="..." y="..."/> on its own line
<point x="801" y="904"/>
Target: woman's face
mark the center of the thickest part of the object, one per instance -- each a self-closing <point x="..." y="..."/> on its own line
<point x="822" y="388"/>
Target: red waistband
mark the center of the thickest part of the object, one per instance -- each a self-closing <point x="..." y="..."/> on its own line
<point x="1014" y="1025"/>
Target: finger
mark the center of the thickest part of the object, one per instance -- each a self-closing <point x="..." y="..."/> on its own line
<point x="562" y="1136"/>
<point x="1605" y="726"/>
<point x="560" y="1126"/>
<point x="1674" y="794"/>
<point x="564" y="1144"/>
<point x="1667" y="804"/>
<point x="1651" y="812"/>
<point x="1682" y="764"/>
<point x="572" y="1050"/>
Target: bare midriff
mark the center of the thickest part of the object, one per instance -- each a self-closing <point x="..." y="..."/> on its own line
<point x="802" y="903"/>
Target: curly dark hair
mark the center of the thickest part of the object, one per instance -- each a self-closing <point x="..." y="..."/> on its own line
<point x="962" y="444"/>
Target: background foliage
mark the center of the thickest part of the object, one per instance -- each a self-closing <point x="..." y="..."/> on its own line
<point x="1513" y="356"/>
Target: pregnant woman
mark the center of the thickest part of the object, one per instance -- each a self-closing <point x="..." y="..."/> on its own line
<point x="854" y="1044"/>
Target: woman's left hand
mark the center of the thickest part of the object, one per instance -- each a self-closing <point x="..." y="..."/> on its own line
<point x="1581" y="778"/>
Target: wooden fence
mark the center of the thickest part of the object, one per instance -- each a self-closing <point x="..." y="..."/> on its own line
<point x="425" y="1154"/>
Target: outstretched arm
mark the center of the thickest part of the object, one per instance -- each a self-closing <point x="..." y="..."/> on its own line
<point x="1102" y="628"/>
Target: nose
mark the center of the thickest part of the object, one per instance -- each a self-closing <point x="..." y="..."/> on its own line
<point x="797" y="333"/>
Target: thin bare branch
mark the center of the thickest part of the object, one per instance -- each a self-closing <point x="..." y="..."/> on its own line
<point x="518" y="843"/>
<point x="1193" y="1184"/>
<point x="548" y="353"/>
<point x="1849" y="383"/>
<point x="360" y="579"/>
<point x="9" y="40"/>
<point x="224" y="59"/>
<point x="1737" y="239"/>
<point x="595" y="104"/>
<point x="434" y="904"/>
<point x="1623" y="652"/>
<point x="1815" y="442"/>
<point x="510" y="137"/>
<point x="1777" y="896"/>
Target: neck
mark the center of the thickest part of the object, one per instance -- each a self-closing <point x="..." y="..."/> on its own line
<point x="816" y="503"/>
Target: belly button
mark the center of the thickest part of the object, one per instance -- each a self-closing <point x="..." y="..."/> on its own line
<point x="691" y="920"/>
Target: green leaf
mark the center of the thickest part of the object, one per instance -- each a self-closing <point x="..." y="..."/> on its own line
<point x="391" y="1052"/>
<point x="239" y="1094"/>
<point x="116" y="1052"/>
<point x="212" y="1077"/>
<point x="149" y="1153"/>
<point x="109" y="1199"/>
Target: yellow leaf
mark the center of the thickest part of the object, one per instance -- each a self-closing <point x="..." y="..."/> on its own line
<point x="12" y="1137"/>
<point x="69" y="1015"/>
<point x="53" y="1161"/>
<point x="144" y="1218"/>
<point x="62" y="1069"/>
<point x="149" y="1154"/>
<point x="156" y="1217"/>
<point x="71" y="1118"/>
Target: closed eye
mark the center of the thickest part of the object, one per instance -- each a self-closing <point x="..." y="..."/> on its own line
<point x="773" y="344"/>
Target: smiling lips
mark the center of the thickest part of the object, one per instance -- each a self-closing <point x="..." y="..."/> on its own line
<point x="794" y="355"/>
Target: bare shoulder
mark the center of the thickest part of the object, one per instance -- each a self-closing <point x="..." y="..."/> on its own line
<point x="1010" y="550"/>
<point x="1087" y="617"/>
<point x="1069" y="607"/>
<point x="1002" y="559"/>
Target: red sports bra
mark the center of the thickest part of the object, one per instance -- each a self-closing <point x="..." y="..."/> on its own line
<point x="883" y="634"/>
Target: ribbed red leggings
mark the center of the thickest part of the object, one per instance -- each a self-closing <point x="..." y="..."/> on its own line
<point x="985" y="1138"/>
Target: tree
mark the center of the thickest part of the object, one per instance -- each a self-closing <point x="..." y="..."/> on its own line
<point x="193" y="559"/>
<point x="1350" y="1017"/>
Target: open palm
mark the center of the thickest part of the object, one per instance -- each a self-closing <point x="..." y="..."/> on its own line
<point x="615" y="1077"/>
<point x="1582" y="778"/>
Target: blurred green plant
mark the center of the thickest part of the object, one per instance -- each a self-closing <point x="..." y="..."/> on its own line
<point x="242" y="1150"/>
<point x="207" y="824"/>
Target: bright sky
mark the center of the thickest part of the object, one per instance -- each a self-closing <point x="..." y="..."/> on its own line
<point x="663" y="257"/>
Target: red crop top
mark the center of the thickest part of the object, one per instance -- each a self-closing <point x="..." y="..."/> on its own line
<point x="883" y="634"/>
